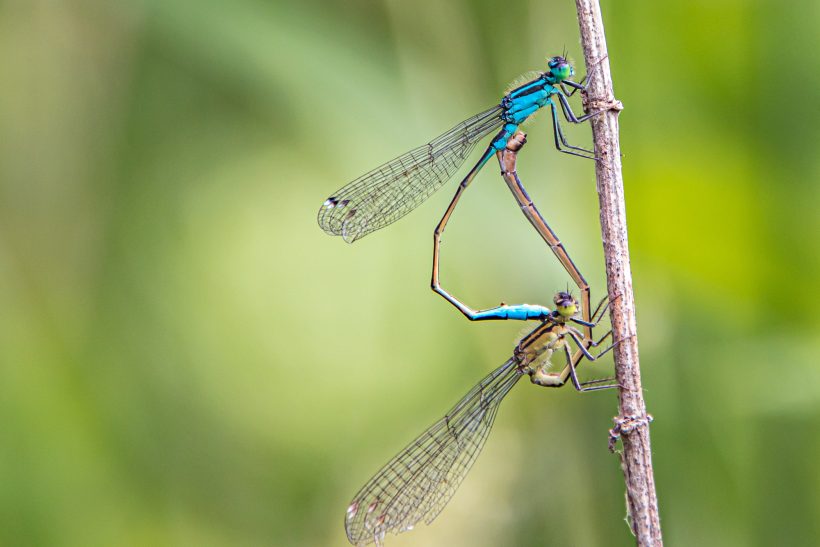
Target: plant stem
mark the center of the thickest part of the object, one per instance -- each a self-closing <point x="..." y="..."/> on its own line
<point x="631" y="424"/>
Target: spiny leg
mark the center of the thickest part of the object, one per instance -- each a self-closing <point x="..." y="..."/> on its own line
<point x="586" y="386"/>
<point x="606" y="349"/>
<point x="558" y="379"/>
<point x="570" y="115"/>
<point x="597" y="315"/>
<point x="564" y="138"/>
<point x="576" y="86"/>
<point x="582" y="341"/>
<point x="591" y="357"/>
<point x="558" y="134"/>
<point x="598" y="308"/>
<point x="573" y="91"/>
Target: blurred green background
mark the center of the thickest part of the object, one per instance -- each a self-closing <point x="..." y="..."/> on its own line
<point x="186" y="359"/>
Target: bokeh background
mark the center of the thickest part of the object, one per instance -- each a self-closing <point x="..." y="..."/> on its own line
<point x="187" y="359"/>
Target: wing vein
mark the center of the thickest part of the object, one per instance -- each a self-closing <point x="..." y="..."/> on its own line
<point x="418" y="482"/>
<point x="388" y="192"/>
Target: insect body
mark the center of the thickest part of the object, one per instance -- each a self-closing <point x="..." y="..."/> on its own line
<point x="419" y="481"/>
<point x="385" y="194"/>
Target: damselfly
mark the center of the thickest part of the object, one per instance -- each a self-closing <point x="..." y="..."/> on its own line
<point x="418" y="482"/>
<point x="389" y="192"/>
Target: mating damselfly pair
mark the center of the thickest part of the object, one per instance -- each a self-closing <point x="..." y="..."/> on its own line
<point x="416" y="484"/>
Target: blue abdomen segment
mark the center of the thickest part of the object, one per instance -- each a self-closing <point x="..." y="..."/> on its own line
<point x="517" y="312"/>
<point x="500" y="140"/>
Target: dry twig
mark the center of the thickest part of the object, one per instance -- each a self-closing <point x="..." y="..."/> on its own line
<point x="631" y="425"/>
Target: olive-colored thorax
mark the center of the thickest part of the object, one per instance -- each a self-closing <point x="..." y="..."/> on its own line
<point x="536" y="349"/>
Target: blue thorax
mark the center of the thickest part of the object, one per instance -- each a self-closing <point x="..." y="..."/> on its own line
<point x="521" y="103"/>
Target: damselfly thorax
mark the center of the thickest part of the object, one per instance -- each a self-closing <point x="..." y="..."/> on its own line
<point x="535" y="351"/>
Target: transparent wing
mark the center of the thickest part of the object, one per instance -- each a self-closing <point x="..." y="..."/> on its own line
<point x="389" y="192"/>
<point x="419" y="481"/>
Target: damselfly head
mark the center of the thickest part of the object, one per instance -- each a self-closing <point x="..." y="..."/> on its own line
<point x="560" y="68"/>
<point x="565" y="304"/>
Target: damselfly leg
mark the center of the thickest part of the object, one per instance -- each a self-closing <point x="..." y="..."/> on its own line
<point x="575" y="86"/>
<point x="570" y="115"/>
<point x="558" y="135"/>
<point x="537" y="348"/>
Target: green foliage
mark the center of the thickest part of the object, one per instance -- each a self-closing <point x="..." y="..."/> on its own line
<point x="186" y="359"/>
